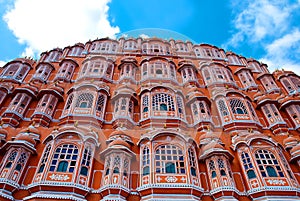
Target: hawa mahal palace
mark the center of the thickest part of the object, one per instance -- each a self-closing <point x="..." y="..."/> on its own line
<point x="148" y="119"/>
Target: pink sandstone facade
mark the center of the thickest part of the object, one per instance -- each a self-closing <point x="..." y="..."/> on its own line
<point x="148" y="119"/>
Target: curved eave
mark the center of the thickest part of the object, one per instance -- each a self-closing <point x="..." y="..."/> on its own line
<point x="249" y="140"/>
<point x="151" y="88"/>
<point x="45" y="63"/>
<point x="153" y="134"/>
<point x="89" y="85"/>
<point x="29" y="63"/>
<point x="241" y="69"/>
<point x="131" y="96"/>
<point x="30" y="147"/>
<point x="91" y="58"/>
<point x="197" y="97"/>
<point x="286" y="74"/>
<point x="288" y="102"/>
<point x="6" y="87"/>
<point x="51" y="91"/>
<point x="83" y="135"/>
<point x="68" y="60"/>
<point x="295" y="158"/>
<point x="27" y="91"/>
<point x="154" y="58"/>
<point x="216" y="151"/>
<point x="264" y="101"/>
<point x="263" y="74"/>
<point x="127" y="60"/>
<point x="115" y="148"/>
<point x="185" y="65"/>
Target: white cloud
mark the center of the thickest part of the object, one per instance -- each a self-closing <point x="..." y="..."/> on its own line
<point x="283" y="52"/>
<point x="268" y="25"/>
<point x="260" y="19"/>
<point x="144" y="36"/>
<point x="2" y="63"/>
<point x="43" y="24"/>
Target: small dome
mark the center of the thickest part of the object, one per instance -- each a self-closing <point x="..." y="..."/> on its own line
<point x="119" y="142"/>
<point x="295" y="150"/>
<point x="212" y="145"/>
<point x="194" y="90"/>
<point x="31" y="129"/>
<point x="117" y="132"/>
<point x="57" y="87"/>
<point x="208" y="136"/>
<point x="25" y="137"/>
<point x="291" y="140"/>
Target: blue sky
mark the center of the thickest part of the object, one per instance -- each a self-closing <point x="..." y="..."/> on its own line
<point x="267" y="30"/>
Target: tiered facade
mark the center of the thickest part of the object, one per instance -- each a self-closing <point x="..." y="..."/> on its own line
<point x="148" y="119"/>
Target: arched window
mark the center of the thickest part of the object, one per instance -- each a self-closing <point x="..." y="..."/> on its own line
<point x="287" y="85"/>
<point x="248" y="166"/>
<point x="11" y="158"/>
<point x="145" y="103"/>
<point x="180" y="105"/>
<point x="21" y="161"/>
<point x="163" y="102"/>
<point x="47" y="104"/>
<point x="271" y="113"/>
<point x="116" y="170"/>
<point x="86" y="161"/>
<point x="212" y="169"/>
<point x="294" y="113"/>
<point x="62" y="166"/>
<point x="84" y="171"/>
<point x="237" y="106"/>
<point x="64" y="158"/>
<point x="269" y="83"/>
<point x="222" y="167"/>
<point x="200" y="111"/>
<point x="69" y="102"/>
<point x="16" y="71"/>
<point x="53" y="56"/>
<point x="100" y="104"/>
<point x="223" y="108"/>
<point x="75" y="51"/>
<point x="97" y="68"/>
<point x="84" y="100"/>
<point x="128" y="71"/>
<point x="116" y="164"/>
<point x="192" y="161"/>
<point x="170" y="167"/>
<point x="107" y="165"/>
<point x="159" y="69"/>
<point x="130" y="45"/>
<point x="43" y="72"/>
<point x="66" y="71"/>
<point x="44" y="159"/>
<point x="146" y="161"/>
<point x="268" y="164"/>
<point x="251" y="174"/>
<point x="296" y="82"/>
<point x="20" y="103"/>
<point x="169" y="159"/>
<point x="104" y="46"/>
<point x="252" y="111"/>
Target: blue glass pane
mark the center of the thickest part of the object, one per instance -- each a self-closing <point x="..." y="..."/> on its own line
<point x="71" y="169"/>
<point x="52" y="168"/>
